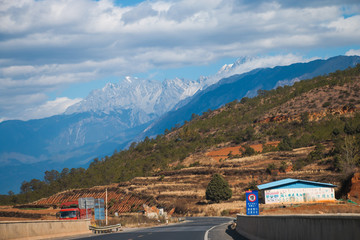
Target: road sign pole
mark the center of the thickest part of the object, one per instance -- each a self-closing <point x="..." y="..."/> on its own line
<point x="106" y="210"/>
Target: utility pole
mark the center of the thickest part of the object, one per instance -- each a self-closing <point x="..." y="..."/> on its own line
<point x="106" y="209"/>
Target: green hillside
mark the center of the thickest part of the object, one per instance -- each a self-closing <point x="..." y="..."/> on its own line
<point x="311" y="112"/>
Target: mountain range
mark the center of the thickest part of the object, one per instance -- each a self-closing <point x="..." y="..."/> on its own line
<point x="112" y="117"/>
<point x="246" y="85"/>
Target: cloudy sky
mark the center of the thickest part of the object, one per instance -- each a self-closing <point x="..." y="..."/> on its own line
<point x="54" y="52"/>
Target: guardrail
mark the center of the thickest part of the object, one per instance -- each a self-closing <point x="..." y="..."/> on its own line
<point x="105" y="229"/>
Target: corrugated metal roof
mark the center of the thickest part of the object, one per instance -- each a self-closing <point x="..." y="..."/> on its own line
<point x="289" y="181"/>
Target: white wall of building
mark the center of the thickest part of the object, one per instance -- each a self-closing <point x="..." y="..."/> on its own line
<point x="299" y="195"/>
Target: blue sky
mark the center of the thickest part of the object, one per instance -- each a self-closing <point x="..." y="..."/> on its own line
<point x="54" y="52"/>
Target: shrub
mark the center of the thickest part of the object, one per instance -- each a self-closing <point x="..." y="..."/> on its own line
<point x="285" y="144"/>
<point x="225" y="212"/>
<point x="349" y="129"/>
<point x="269" y="148"/>
<point x="218" y="189"/>
<point x="335" y="132"/>
<point x="283" y="166"/>
<point x="299" y="164"/>
<point x="181" y="206"/>
<point x="248" y="151"/>
<point x="252" y="185"/>
<point x="270" y="168"/>
<point x="326" y="104"/>
<point x="179" y="166"/>
<point x="195" y="164"/>
<point x="316" y="154"/>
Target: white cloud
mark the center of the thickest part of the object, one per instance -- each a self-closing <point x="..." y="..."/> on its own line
<point x="49" y="108"/>
<point x="35" y="106"/>
<point x="46" y="45"/>
<point x="353" y="52"/>
<point x="250" y="63"/>
<point x="8" y="157"/>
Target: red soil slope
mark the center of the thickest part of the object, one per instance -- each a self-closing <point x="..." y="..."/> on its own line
<point x="224" y="152"/>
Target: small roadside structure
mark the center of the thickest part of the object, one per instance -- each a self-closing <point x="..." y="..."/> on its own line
<point x="297" y="191"/>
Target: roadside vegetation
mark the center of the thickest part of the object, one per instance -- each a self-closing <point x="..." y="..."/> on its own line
<point x="218" y="189"/>
<point x="238" y="122"/>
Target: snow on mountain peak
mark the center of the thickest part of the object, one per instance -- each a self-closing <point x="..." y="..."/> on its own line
<point x="155" y="97"/>
<point x="128" y="78"/>
<point x="149" y="96"/>
<point x="225" y="68"/>
<point x="108" y="86"/>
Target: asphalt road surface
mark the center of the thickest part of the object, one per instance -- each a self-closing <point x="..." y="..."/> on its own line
<point x="201" y="228"/>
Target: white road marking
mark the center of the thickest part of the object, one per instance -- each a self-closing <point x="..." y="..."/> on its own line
<point x="207" y="232"/>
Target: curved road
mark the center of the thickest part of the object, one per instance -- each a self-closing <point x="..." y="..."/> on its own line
<point x="195" y="228"/>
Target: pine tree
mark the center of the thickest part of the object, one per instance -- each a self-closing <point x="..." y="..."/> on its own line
<point x="218" y="189"/>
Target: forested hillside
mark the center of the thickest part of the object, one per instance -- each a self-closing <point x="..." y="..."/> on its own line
<point x="324" y="109"/>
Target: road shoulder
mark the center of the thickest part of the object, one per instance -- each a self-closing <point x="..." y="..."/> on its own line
<point x="223" y="232"/>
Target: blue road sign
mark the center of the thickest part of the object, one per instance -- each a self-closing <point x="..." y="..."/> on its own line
<point x="99" y="209"/>
<point x="99" y="213"/>
<point x="99" y="203"/>
<point x="252" y="203"/>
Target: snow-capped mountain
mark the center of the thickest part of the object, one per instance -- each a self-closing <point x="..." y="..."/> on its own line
<point x="149" y="96"/>
<point x="107" y="119"/>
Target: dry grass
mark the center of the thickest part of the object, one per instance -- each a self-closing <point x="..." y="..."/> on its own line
<point x="216" y="209"/>
<point x="313" y="100"/>
<point x="134" y="220"/>
<point x="315" y="208"/>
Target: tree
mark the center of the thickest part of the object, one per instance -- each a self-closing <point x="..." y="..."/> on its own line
<point x="36" y="184"/>
<point x="51" y="176"/>
<point x="13" y="197"/>
<point x="194" y="116"/>
<point x="249" y="133"/>
<point x="244" y="100"/>
<point x="25" y="187"/>
<point x="65" y="172"/>
<point x="317" y="154"/>
<point x="218" y="189"/>
<point x="285" y="144"/>
<point x="349" y="129"/>
<point x="350" y="154"/>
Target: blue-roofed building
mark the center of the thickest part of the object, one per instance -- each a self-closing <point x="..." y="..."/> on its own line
<point x="297" y="191"/>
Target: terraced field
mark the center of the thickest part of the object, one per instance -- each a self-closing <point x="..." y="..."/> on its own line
<point x="185" y="188"/>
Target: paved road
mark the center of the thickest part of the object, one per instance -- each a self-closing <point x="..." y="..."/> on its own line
<point x="192" y="229"/>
